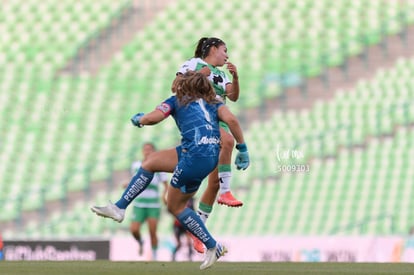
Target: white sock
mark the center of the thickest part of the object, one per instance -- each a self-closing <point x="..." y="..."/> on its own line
<point x="154" y="254"/>
<point x="203" y="215"/>
<point x="224" y="178"/>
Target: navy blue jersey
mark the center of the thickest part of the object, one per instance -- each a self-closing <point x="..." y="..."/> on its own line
<point x="198" y="124"/>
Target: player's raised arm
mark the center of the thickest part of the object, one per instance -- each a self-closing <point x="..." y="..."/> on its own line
<point x="233" y="88"/>
<point x="160" y="113"/>
<point x="152" y="118"/>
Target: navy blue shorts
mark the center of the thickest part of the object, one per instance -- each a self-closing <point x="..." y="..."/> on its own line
<point x="191" y="171"/>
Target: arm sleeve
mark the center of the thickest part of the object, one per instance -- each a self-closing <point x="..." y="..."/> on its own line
<point x="167" y="107"/>
<point x="185" y="67"/>
<point x="192" y="64"/>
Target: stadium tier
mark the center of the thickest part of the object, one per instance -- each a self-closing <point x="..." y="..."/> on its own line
<point x="292" y="40"/>
<point x="341" y="189"/>
<point x="47" y="34"/>
<point x="40" y="129"/>
<point x="59" y="132"/>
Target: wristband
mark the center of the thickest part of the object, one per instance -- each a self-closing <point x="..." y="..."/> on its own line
<point x="242" y="147"/>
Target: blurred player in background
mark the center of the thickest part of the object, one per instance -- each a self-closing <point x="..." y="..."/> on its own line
<point x="147" y="207"/>
<point x="179" y="231"/>
<point x="196" y="112"/>
<point x="1" y="248"/>
<point x="210" y="54"/>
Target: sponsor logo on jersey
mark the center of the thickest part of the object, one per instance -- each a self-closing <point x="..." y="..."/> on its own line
<point x="208" y="140"/>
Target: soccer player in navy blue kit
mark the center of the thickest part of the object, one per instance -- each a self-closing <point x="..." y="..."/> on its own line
<point x="197" y="112"/>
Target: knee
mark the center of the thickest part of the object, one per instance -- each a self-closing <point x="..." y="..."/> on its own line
<point x="227" y="142"/>
<point x="146" y="164"/>
<point x="134" y="228"/>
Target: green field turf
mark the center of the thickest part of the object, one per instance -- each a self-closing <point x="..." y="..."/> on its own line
<point x="184" y="268"/>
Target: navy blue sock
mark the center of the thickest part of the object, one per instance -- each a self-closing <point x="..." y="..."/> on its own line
<point x="137" y="184"/>
<point x="192" y="222"/>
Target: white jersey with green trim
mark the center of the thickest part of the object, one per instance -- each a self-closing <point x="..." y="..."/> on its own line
<point x="150" y="197"/>
<point x="217" y="77"/>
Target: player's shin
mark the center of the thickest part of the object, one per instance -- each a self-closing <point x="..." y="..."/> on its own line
<point x="192" y="222"/>
<point x="137" y="184"/>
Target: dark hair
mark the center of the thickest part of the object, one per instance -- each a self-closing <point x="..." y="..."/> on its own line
<point x="194" y="85"/>
<point x="204" y="45"/>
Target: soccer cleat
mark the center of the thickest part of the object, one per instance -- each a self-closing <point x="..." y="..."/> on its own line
<point x="197" y="244"/>
<point x="212" y="255"/>
<point x="229" y="200"/>
<point x="110" y="211"/>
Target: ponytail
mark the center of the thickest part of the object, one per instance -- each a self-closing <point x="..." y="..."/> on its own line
<point x="199" y="49"/>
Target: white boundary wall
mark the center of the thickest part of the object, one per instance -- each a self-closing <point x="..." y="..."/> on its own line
<point x="289" y="248"/>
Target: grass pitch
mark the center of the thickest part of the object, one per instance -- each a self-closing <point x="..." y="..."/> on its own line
<point x="184" y="268"/>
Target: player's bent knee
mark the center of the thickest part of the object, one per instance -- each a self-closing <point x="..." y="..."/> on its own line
<point x="227" y="142"/>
